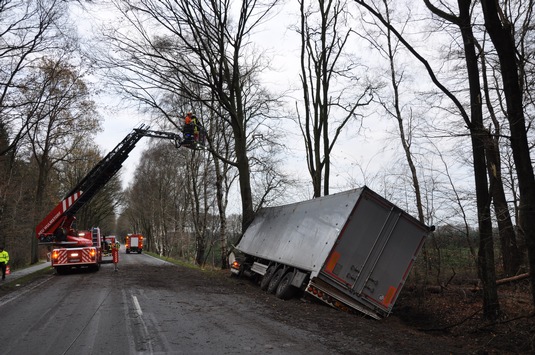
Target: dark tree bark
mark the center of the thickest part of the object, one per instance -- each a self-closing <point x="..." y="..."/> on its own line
<point x="487" y="271"/>
<point x="500" y="32"/>
<point x="478" y="136"/>
<point x="511" y="256"/>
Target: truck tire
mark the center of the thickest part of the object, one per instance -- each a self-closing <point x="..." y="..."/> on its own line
<point x="275" y="280"/>
<point x="267" y="278"/>
<point x="286" y="290"/>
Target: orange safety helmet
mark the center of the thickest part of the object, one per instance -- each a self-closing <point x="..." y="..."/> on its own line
<point x="187" y="119"/>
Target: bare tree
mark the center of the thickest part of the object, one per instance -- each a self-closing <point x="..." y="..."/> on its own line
<point x="62" y="116"/>
<point x="16" y="191"/>
<point x="394" y="106"/>
<point x="479" y="136"/>
<point x="27" y="30"/>
<point x="500" y="32"/>
<point x="200" y="196"/>
<point x="324" y="35"/>
<point x="224" y="178"/>
<point x="199" y="45"/>
<point x="474" y="122"/>
<point x="511" y="256"/>
<point x="156" y="204"/>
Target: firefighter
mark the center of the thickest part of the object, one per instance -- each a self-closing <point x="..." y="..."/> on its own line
<point x="189" y="129"/>
<point x="4" y="259"/>
<point x="195" y="128"/>
<point x="106" y="246"/>
<point x="115" y="254"/>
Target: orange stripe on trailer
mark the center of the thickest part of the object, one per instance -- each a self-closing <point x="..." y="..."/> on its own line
<point x="389" y="295"/>
<point x="333" y="260"/>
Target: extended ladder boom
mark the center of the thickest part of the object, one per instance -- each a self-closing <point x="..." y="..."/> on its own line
<point x="63" y="214"/>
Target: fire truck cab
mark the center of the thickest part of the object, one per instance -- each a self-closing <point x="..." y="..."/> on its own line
<point x="134" y="243"/>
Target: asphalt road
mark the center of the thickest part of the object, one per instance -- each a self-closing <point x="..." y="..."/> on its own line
<point x="144" y="308"/>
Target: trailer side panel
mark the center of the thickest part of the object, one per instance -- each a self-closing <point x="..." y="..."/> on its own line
<point x="301" y="234"/>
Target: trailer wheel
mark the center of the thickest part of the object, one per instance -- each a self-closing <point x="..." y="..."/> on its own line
<point x="286" y="290"/>
<point x="275" y="280"/>
<point x="267" y="278"/>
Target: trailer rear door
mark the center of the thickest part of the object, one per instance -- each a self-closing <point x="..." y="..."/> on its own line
<point x="374" y="253"/>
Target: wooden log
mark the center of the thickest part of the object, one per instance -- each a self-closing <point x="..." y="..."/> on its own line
<point x="511" y="279"/>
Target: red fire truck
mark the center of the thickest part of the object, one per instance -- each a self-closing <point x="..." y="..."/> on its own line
<point x="83" y="248"/>
<point x="134" y="243"/>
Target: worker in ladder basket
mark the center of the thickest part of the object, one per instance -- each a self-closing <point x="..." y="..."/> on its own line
<point x="194" y="133"/>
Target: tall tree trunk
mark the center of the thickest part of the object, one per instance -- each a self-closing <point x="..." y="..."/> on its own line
<point x="42" y="180"/>
<point x="487" y="270"/>
<point x="511" y="256"/>
<point x="244" y="178"/>
<point x="221" y="207"/>
<point x="478" y="136"/>
<point x="399" y="117"/>
<point x="503" y="40"/>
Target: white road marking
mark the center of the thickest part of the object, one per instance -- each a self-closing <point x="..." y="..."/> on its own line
<point x="137" y="306"/>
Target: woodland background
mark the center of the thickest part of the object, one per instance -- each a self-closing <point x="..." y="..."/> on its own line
<point x="428" y="103"/>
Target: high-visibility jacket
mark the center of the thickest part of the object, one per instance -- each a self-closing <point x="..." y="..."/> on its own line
<point x="4" y="257"/>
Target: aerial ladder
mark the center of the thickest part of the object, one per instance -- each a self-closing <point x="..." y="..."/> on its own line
<point x="82" y="249"/>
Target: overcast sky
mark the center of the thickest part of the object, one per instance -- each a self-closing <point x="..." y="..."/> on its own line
<point x="282" y="46"/>
<point x="358" y="159"/>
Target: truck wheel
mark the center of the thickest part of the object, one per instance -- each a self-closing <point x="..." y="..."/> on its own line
<point x="267" y="278"/>
<point x="286" y="290"/>
<point x="275" y="280"/>
<point x="61" y="270"/>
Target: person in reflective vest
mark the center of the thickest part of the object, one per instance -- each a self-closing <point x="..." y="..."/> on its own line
<point x="115" y="254"/>
<point x="4" y="259"/>
<point x="188" y="129"/>
<point x="194" y="132"/>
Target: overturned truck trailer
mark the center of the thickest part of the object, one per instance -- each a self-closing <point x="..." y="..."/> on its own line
<point x="352" y="250"/>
